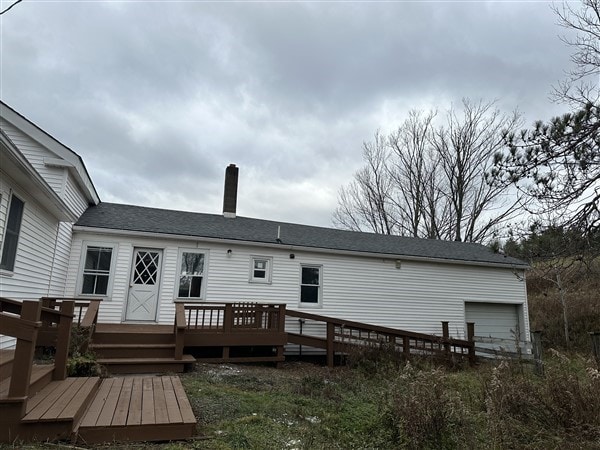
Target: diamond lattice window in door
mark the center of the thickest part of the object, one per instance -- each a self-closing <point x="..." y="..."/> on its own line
<point x="146" y="268"/>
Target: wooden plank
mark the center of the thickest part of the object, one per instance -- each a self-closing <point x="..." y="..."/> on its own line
<point x="135" y="405"/>
<point x="108" y="410"/>
<point x="122" y="409"/>
<point x="61" y="403"/>
<point x="160" y="403"/>
<point x="171" y="401"/>
<point x="148" y="417"/>
<point x="40" y="396"/>
<point x="49" y="400"/>
<point x="74" y="408"/>
<point x="91" y="416"/>
<point x="184" y="404"/>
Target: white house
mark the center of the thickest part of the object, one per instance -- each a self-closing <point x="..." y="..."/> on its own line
<point x="44" y="188"/>
<point x="141" y="261"/>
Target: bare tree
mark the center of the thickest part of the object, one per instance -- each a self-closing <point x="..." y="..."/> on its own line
<point x="366" y="202"/>
<point x="465" y="147"/>
<point x="583" y="81"/>
<point x="430" y="181"/>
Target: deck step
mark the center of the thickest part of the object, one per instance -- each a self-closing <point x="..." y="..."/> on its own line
<point x="133" y="334"/>
<point x="146" y="365"/>
<point x="109" y="351"/>
<point x="61" y="401"/>
<point x="54" y="411"/>
<point x="6" y="360"/>
<point x="41" y="375"/>
<point x="138" y="409"/>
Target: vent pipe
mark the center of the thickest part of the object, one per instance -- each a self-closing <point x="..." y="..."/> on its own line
<point x="230" y="194"/>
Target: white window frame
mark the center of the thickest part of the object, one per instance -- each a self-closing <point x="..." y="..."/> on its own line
<point x="268" y="269"/>
<point x="11" y="196"/>
<point x="204" y="275"/>
<point x="113" y="262"/>
<point x="319" y="303"/>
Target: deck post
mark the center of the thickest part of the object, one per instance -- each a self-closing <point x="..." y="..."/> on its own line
<point x="281" y="324"/>
<point x="24" y="353"/>
<point x="406" y="346"/>
<point x="330" y="347"/>
<point x="471" y="339"/>
<point x="179" y="330"/>
<point x="63" y="338"/>
<point x="446" y="336"/>
<point x="536" y="344"/>
<point x="228" y="318"/>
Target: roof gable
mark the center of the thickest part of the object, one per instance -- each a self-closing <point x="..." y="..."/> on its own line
<point x="21" y="170"/>
<point x="58" y="154"/>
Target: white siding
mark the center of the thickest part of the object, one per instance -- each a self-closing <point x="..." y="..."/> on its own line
<point x="31" y="277"/>
<point x="61" y="259"/>
<point x="35" y="154"/>
<point x="417" y="296"/>
<point x="73" y="196"/>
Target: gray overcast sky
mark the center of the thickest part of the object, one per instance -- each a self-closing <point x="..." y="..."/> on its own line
<point x="159" y="97"/>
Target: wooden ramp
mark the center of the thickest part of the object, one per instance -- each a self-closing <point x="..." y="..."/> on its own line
<point x="138" y="408"/>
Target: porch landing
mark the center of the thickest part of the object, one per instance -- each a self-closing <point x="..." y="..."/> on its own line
<point x="137" y="408"/>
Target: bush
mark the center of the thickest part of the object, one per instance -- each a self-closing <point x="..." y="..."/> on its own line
<point x="425" y="412"/>
<point x="527" y="411"/>
<point x="83" y="366"/>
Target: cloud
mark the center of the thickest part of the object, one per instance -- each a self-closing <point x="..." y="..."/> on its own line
<point x="158" y="98"/>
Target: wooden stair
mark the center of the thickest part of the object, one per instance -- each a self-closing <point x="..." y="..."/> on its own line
<point x="41" y="403"/>
<point x="137" y="348"/>
<point x="91" y="410"/>
<point x="52" y="408"/>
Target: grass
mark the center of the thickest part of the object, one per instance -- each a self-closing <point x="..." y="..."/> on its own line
<point x="390" y="404"/>
<point x="412" y="406"/>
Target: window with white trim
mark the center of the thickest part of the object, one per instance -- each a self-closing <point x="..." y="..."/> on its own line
<point x="95" y="278"/>
<point x="260" y="269"/>
<point x="310" y="285"/>
<point x="11" y="233"/>
<point x="191" y="274"/>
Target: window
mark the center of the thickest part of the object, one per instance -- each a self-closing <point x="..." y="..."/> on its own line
<point x="11" y="236"/>
<point x="96" y="270"/>
<point x="260" y="269"/>
<point x="310" y="285"/>
<point x="191" y="275"/>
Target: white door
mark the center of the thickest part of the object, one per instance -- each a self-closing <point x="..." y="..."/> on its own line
<point x="143" y="288"/>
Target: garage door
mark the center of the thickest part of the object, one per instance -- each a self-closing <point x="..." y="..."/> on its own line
<point x="495" y="320"/>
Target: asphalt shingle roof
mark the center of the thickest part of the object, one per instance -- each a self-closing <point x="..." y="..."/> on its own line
<point x="141" y="219"/>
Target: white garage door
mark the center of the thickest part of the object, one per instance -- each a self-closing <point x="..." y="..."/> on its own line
<point x="495" y="320"/>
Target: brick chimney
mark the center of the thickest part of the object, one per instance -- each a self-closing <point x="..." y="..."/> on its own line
<point x="230" y="194"/>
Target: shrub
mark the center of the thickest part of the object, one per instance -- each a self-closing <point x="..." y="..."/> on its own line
<point x="425" y="412"/>
<point x="83" y="366"/>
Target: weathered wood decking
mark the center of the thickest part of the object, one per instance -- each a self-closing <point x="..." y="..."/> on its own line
<point x="134" y="408"/>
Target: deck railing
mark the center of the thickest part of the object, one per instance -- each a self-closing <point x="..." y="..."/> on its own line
<point x="228" y="325"/>
<point x="228" y="317"/>
<point x="20" y="320"/>
<point x="84" y="313"/>
<point x="25" y="320"/>
<point x="343" y="335"/>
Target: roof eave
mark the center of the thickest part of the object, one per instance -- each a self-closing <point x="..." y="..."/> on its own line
<point x="290" y="247"/>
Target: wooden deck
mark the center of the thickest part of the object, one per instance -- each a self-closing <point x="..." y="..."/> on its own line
<point x="138" y="408"/>
<point x="40" y="403"/>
